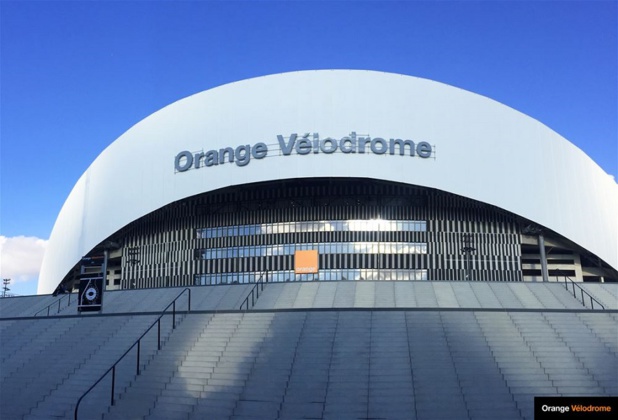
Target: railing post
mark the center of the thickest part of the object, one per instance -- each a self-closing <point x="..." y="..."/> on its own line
<point x="159" y="334"/>
<point x="139" y="344"/>
<point x="189" y="309"/>
<point x="583" y="293"/>
<point x="113" y="382"/>
<point x="47" y="310"/>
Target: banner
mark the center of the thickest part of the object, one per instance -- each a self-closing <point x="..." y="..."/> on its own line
<point x="90" y="297"/>
<point x="306" y="262"/>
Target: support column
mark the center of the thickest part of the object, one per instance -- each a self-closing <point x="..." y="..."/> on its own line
<point x="544" y="272"/>
<point x="104" y="268"/>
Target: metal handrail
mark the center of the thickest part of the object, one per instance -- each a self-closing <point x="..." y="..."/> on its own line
<point x="259" y="286"/>
<point x="54" y="303"/>
<point x="582" y="291"/>
<point x="137" y="343"/>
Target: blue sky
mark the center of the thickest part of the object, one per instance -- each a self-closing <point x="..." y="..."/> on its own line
<point x="75" y="75"/>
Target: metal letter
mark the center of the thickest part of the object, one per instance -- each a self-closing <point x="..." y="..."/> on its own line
<point x="423" y="149"/>
<point x="303" y="146"/>
<point x="286" y="149"/>
<point x="383" y="146"/>
<point x="259" y="151"/>
<point x="402" y="146"/>
<point x="333" y="145"/>
<point x="243" y="155"/>
<point x="188" y="156"/>
<point x="347" y="144"/>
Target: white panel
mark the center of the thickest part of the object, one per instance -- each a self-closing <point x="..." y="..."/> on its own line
<point x="484" y="151"/>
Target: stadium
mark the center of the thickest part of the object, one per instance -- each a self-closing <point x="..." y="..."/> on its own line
<point x="333" y="244"/>
<point x="385" y="176"/>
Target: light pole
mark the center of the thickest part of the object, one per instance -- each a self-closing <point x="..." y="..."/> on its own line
<point x="5" y="287"/>
<point x="468" y="248"/>
<point x="133" y="253"/>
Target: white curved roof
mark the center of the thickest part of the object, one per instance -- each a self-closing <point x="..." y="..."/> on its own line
<point x="481" y="149"/>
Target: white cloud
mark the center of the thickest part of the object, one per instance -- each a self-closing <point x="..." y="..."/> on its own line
<point x="21" y="258"/>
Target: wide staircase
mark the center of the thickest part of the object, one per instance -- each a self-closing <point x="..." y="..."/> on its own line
<point x="373" y="364"/>
<point x="337" y="350"/>
<point x="437" y="294"/>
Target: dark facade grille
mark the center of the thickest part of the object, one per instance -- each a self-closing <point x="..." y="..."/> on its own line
<point x="366" y="229"/>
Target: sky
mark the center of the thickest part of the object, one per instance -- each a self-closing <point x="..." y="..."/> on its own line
<point x="75" y="75"/>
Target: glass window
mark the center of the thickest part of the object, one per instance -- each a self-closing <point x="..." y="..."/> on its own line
<point x="357" y="225"/>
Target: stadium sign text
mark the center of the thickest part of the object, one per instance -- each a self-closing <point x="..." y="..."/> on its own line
<point x="302" y="145"/>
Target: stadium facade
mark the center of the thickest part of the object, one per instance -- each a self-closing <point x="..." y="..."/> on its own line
<point x="379" y="176"/>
